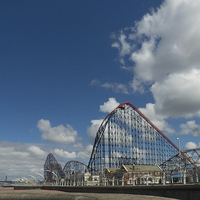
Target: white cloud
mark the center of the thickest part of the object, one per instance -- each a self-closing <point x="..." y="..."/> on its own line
<point x="156" y="119"/>
<point x="37" y="151"/>
<point x="44" y="125"/>
<point x="11" y="151"/>
<point x="92" y="130"/>
<point x="17" y="162"/>
<point x="116" y="87"/>
<point x="84" y="154"/>
<point x="190" y="128"/>
<point x="190" y="145"/>
<point x="169" y="40"/>
<point x="137" y="86"/>
<point x="109" y="106"/>
<point x="123" y="47"/>
<point x="178" y="95"/>
<point x="59" y="134"/>
<point x="116" y="45"/>
<point x="65" y="154"/>
<point x="164" y="48"/>
<point x="78" y="145"/>
<point x="95" y="82"/>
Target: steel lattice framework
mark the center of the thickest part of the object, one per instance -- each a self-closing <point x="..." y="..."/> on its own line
<point x="74" y="168"/>
<point x="126" y="136"/>
<point x="52" y="167"/>
<point x="194" y="155"/>
<point x="187" y="159"/>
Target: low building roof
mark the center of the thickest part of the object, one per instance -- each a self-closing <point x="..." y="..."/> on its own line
<point x="113" y="169"/>
<point x="142" y="168"/>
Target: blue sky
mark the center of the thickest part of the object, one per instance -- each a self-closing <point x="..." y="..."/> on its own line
<point x="65" y="64"/>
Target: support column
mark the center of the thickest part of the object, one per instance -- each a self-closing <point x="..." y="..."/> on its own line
<point x="197" y="178"/>
<point x="184" y="177"/>
<point x="133" y="179"/>
<point x="74" y="180"/>
<point x="164" y="178"/>
<point x="92" y="181"/>
<point x="181" y="178"/>
<point x="123" y="180"/>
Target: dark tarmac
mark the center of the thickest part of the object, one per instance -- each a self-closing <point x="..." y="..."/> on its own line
<point x="8" y="193"/>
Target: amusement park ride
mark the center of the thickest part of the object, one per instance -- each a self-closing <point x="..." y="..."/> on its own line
<point x="128" y="137"/>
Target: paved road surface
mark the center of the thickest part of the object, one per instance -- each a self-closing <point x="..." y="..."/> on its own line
<point x="8" y="193"/>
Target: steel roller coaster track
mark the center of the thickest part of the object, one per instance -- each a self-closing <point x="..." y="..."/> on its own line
<point x="125" y="137"/>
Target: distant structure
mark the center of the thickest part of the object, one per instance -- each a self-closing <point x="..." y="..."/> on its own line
<point x="74" y="167"/>
<point x="52" y="169"/>
<point x="125" y="137"/>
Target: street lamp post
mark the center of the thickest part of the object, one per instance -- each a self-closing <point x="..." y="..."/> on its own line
<point x="179" y="153"/>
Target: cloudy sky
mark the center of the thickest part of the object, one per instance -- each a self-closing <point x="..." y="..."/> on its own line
<point x="64" y="65"/>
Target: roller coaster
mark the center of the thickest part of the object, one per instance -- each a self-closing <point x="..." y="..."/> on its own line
<point x="127" y="137"/>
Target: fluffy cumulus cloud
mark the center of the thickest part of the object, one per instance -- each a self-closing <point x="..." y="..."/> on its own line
<point x="178" y="95"/>
<point x="65" y="154"/>
<point x="59" y="134"/>
<point x="158" y="120"/>
<point x="37" y="151"/>
<point x="109" y="106"/>
<point x="44" y="125"/>
<point x="92" y="130"/>
<point x="84" y="154"/>
<point x="190" y="145"/>
<point x="163" y="48"/>
<point x="190" y="128"/>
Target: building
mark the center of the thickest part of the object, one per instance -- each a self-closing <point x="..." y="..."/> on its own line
<point x="134" y="174"/>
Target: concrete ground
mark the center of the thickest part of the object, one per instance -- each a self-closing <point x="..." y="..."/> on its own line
<point x="8" y="193"/>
